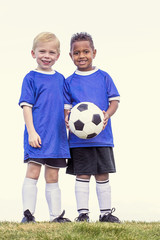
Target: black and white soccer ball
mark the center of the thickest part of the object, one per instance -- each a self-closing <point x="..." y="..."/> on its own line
<point x="86" y="120"/>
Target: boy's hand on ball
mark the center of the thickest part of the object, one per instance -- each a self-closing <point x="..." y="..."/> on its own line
<point x="105" y="120"/>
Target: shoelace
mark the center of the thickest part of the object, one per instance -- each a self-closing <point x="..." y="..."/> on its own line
<point x="112" y="210"/>
<point x="108" y="215"/>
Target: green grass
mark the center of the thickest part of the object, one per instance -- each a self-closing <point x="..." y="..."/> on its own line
<point x="80" y="231"/>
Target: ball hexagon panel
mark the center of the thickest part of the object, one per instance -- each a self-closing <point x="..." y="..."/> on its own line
<point x="89" y="128"/>
<point x="74" y="115"/>
<point x="97" y="128"/>
<point x="72" y="127"/>
<point x="86" y="116"/>
<point x="81" y="134"/>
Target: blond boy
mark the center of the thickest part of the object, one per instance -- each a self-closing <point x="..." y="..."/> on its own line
<point x="45" y="138"/>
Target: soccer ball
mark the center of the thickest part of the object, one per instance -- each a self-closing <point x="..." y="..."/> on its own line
<point x="86" y="120"/>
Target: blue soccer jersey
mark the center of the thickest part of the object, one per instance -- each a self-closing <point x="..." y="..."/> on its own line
<point x="97" y="87"/>
<point x="44" y="93"/>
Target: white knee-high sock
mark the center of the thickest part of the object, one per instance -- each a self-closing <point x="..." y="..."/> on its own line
<point x="53" y="197"/>
<point x="29" y="194"/>
<point x="82" y="195"/>
<point x="103" y="189"/>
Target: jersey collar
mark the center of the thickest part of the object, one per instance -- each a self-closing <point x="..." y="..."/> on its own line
<point x="85" y="73"/>
<point x="45" y="72"/>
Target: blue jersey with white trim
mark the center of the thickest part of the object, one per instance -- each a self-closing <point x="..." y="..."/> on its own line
<point x="96" y="87"/>
<point x="44" y="92"/>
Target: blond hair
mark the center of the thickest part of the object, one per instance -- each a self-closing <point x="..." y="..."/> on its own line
<point x="46" y="37"/>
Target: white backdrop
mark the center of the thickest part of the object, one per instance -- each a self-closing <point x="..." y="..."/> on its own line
<point x="126" y="35"/>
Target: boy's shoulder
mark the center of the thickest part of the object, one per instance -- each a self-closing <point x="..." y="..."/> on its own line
<point x="32" y="74"/>
<point x="29" y="76"/>
<point x="59" y="74"/>
<point x="99" y="71"/>
<point x="69" y="78"/>
<point x="104" y="73"/>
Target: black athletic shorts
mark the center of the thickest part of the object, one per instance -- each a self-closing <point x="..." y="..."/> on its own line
<point x="50" y="162"/>
<point x="91" y="161"/>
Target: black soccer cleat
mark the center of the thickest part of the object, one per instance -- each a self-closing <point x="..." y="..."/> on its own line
<point x="61" y="219"/>
<point x="108" y="217"/>
<point x="83" y="217"/>
<point x="28" y="217"/>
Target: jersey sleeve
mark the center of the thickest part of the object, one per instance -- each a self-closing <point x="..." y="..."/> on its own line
<point x="112" y="91"/>
<point x="27" y="92"/>
<point x="67" y="98"/>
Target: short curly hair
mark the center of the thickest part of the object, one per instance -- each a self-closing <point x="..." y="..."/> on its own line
<point x="82" y="36"/>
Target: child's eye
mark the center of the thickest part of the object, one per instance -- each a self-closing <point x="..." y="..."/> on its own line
<point x="86" y="51"/>
<point x="75" y="53"/>
<point x="52" y="52"/>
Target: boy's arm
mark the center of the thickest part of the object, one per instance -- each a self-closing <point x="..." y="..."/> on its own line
<point x="34" y="139"/>
<point x="66" y="115"/>
<point x="110" y="111"/>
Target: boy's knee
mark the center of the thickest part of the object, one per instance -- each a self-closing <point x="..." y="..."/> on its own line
<point x="51" y="175"/>
<point x="102" y="177"/>
<point x="33" y="171"/>
<point x="51" y="179"/>
<point x="86" y="177"/>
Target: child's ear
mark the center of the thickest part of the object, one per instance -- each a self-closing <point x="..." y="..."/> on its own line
<point x="33" y="54"/>
<point x="70" y="55"/>
<point x="94" y="53"/>
<point x="57" y="56"/>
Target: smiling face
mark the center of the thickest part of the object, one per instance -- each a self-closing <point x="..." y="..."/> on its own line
<point x="82" y="55"/>
<point x="46" y="54"/>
